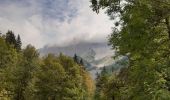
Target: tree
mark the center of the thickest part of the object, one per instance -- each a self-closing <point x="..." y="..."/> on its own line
<point x="10" y="38"/>
<point x="88" y="85"/>
<point x="0" y="34"/>
<point x="142" y="35"/>
<point x="68" y="81"/>
<point x="76" y="58"/>
<point x="26" y="76"/>
<point x="101" y="84"/>
<point x="30" y="53"/>
<point x="51" y="80"/>
<point x="8" y="60"/>
<point x="23" y="73"/>
<point x="81" y="62"/>
<point x="15" y="42"/>
<point x="18" y="43"/>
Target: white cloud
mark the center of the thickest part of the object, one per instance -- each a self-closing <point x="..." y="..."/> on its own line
<point x="34" y="28"/>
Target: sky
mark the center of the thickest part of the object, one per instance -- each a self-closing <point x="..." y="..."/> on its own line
<point x="53" y="22"/>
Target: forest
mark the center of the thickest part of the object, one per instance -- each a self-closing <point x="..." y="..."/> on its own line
<point x="26" y="76"/>
<point x="141" y="32"/>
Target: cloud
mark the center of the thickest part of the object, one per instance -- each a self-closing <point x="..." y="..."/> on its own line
<point x="59" y="22"/>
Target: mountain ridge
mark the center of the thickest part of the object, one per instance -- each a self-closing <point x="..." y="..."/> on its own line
<point x="94" y="55"/>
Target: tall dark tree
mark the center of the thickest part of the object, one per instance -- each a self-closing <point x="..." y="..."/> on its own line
<point x="10" y="38"/>
<point x="81" y="62"/>
<point x="18" y="43"/>
<point x="0" y="33"/>
<point x="76" y="58"/>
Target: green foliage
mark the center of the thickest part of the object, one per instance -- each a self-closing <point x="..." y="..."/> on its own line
<point x="18" y="43"/>
<point x="11" y="40"/>
<point x="8" y="57"/>
<point x="143" y="35"/>
<point x="7" y="54"/>
<point x="67" y="80"/>
<point x="101" y="83"/>
<point x="50" y="80"/>
<point x="26" y="76"/>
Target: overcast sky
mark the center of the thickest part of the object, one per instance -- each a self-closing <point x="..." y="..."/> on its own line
<point x="59" y="22"/>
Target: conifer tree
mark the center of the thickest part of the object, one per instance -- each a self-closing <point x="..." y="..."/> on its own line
<point x="18" y="43"/>
<point x="10" y="38"/>
<point x="0" y="34"/>
<point x="75" y="58"/>
<point x="81" y="62"/>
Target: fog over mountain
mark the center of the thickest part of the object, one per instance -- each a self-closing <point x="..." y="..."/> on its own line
<point x="83" y="49"/>
<point x="95" y="55"/>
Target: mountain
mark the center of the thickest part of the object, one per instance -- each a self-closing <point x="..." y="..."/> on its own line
<point x="89" y="56"/>
<point x="105" y="61"/>
<point x="81" y="48"/>
<point x="94" y="55"/>
<point x="111" y="65"/>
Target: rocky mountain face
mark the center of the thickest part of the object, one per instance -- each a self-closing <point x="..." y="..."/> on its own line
<point x="111" y="65"/>
<point x="94" y="55"/>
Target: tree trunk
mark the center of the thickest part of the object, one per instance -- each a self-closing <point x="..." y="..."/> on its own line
<point x="168" y="25"/>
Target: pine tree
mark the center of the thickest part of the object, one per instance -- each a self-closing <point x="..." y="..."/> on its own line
<point x="81" y="62"/>
<point x="10" y="38"/>
<point x="104" y="71"/>
<point x="18" y="43"/>
<point x="75" y="58"/>
<point x="0" y="34"/>
<point x="97" y="76"/>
